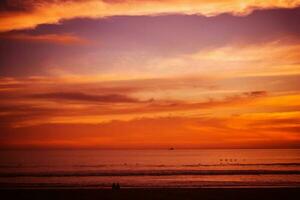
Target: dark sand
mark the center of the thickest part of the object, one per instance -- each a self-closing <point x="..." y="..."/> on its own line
<point x="140" y="194"/>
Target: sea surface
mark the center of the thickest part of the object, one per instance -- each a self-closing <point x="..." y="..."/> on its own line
<point x="150" y="168"/>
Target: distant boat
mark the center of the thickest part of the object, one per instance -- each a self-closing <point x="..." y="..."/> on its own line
<point x="171" y="148"/>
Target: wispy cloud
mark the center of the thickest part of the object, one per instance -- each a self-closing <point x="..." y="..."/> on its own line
<point x="160" y="132"/>
<point x="46" y="38"/>
<point x="46" y="112"/>
<point x="236" y="59"/>
<point x="29" y="14"/>
<point x="98" y="102"/>
<point x="78" y="96"/>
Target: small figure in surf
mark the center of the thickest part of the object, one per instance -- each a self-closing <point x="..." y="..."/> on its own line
<point x="115" y="186"/>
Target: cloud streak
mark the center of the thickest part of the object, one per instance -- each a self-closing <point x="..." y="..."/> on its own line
<point x="171" y="41"/>
<point x="78" y="96"/>
<point x="44" y="112"/>
<point x="16" y="15"/>
<point x="99" y="102"/>
<point x="65" y="39"/>
<point x="161" y="132"/>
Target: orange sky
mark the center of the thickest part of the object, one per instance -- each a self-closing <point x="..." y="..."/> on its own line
<point x="47" y="11"/>
<point x="163" y="74"/>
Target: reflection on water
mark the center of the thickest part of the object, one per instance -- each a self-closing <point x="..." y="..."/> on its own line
<point x="150" y="168"/>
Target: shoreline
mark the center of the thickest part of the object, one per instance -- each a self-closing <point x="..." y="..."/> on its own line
<point x="153" y="193"/>
<point x="145" y="188"/>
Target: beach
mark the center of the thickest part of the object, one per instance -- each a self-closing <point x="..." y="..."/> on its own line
<point x="150" y="168"/>
<point x="143" y="193"/>
<point x="150" y="174"/>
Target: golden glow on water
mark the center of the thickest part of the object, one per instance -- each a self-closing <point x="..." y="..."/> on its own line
<point x="151" y="168"/>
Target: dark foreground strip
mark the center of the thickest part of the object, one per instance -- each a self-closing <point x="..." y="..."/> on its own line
<point x="151" y="194"/>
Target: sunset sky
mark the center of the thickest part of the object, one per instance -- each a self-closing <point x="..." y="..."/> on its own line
<point x="149" y="74"/>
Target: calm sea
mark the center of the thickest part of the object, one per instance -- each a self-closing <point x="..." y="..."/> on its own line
<point x="150" y="168"/>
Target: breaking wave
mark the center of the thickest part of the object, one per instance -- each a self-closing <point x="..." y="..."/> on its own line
<point x="148" y="173"/>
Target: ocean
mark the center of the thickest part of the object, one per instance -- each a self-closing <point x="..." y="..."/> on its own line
<point x="150" y="168"/>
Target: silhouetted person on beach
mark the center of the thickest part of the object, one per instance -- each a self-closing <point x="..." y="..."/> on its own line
<point x="115" y="186"/>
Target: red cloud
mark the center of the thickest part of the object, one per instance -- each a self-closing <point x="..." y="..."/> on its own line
<point x="47" y="38"/>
